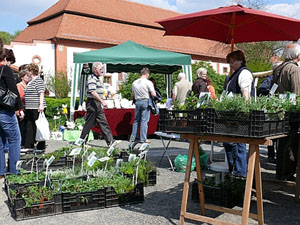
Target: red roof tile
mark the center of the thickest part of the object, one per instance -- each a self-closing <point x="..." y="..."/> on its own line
<point x="113" y="22"/>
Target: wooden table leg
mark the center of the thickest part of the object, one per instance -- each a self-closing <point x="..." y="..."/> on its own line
<point x="297" y="195"/>
<point x="248" y="188"/>
<point x="258" y="184"/>
<point x="186" y="182"/>
<point x="199" y="177"/>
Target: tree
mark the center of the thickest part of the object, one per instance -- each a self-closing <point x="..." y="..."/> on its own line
<point x="126" y="87"/>
<point x="7" y="37"/>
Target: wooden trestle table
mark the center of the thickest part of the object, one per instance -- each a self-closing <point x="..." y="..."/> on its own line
<point x="253" y="166"/>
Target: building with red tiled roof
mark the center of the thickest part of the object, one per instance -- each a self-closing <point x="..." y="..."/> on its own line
<point x="72" y="26"/>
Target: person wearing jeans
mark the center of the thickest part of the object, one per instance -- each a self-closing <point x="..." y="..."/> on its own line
<point x="141" y="116"/>
<point x="9" y="128"/>
<point x="237" y="158"/>
<point x="140" y="90"/>
<point x="240" y="82"/>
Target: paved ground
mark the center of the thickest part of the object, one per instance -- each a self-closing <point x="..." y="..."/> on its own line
<point x="163" y="201"/>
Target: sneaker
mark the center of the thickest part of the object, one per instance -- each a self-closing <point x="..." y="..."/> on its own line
<point x="79" y="142"/>
<point x="147" y="141"/>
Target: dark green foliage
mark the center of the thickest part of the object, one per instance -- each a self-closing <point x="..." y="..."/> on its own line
<point x="7" y="37"/>
<point x="24" y="178"/>
<point x="126" y="87"/>
<point x="53" y="104"/>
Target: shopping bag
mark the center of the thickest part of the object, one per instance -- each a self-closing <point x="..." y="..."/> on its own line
<point x="42" y="128"/>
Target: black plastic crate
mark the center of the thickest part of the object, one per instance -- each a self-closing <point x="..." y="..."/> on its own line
<point x="20" y="212"/>
<point x="19" y="187"/>
<point x="293" y="122"/>
<point x="151" y="178"/>
<point x="217" y="196"/>
<point x="254" y="124"/>
<point x="111" y="197"/>
<point x="182" y="121"/>
<point x="133" y="197"/>
<point x="81" y="201"/>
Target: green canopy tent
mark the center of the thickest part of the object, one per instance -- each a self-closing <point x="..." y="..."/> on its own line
<point x="127" y="57"/>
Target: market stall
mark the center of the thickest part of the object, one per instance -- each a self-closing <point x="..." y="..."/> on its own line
<point x="126" y="57"/>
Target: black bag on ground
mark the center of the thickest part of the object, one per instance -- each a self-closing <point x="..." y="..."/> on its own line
<point x="8" y="99"/>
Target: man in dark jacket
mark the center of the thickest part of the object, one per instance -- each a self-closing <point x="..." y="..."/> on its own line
<point x="287" y="77"/>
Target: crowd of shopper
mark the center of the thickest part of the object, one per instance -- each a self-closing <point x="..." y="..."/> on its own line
<point x="17" y="123"/>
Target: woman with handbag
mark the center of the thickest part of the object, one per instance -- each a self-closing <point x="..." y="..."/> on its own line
<point x="34" y="104"/>
<point x="9" y="102"/>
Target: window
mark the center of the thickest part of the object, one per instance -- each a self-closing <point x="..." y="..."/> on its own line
<point x="225" y="70"/>
<point x="107" y="79"/>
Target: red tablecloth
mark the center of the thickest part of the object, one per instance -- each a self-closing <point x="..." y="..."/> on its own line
<point x="121" y="120"/>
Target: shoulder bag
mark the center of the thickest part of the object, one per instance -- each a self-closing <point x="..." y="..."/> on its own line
<point x="8" y="99"/>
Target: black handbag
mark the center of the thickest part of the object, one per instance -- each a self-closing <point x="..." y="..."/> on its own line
<point x="8" y="99"/>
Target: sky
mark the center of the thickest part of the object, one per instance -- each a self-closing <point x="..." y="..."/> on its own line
<point x="16" y="13"/>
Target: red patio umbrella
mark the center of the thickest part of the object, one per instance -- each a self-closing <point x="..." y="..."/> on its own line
<point x="233" y="24"/>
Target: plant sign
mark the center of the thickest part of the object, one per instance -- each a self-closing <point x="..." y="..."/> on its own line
<point x="110" y="150"/>
<point x="118" y="162"/>
<point x="103" y="159"/>
<point x="19" y="164"/>
<point x="92" y="160"/>
<point x="131" y="157"/>
<point x="143" y="153"/>
<point x="91" y="155"/>
<point x="273" y="89"/>
<point x="50" y="160"/>
<point x="75" y="151"/>
<point x="203" y="98"/>
<point x="144" y="146"/>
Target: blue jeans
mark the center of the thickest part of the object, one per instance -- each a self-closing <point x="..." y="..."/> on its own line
<point x="141" y="116"/>
<point x="9" y="130"/>
<point x="237" y="159"/>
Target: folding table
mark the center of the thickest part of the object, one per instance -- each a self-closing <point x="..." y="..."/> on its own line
<point x="253" y="165"/>
<point x="169" y="137"/>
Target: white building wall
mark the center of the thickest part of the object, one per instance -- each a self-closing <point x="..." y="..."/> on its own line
<point x="26" y="52"/>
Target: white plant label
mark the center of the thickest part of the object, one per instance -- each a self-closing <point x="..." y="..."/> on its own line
<point x="223" y="95"/>
<point x="19" y="164"/>
<point x="230" y="95"/>
<point x="131" y="157"/>
<point x="143" y="153"/>
<point x="255" y="82"/>
<point x="119" y="161"/>
<point x="103" y="159"/>
<point x="273" y="89"/>
<point x="75" y="151"/>
<point x="203" y="98"/>
<point x="116" y="143"/>
<point x="144" y="146"/>
<point x="110" y="150"/>
<point x="91" y="155"/>
<point x="49" y="161"/>
<point x="92" y="160"/>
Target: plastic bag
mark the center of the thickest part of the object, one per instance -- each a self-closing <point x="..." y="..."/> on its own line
<point x="42" y="128"/>
<point x="181" y="161"/>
